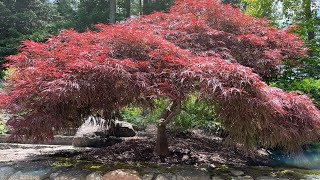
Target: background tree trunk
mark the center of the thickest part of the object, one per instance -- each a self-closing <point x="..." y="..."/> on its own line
<point x="140" y="7"/>
<point x="128" y="8"/>
<point x="112" y="15"/>
<point x="309" y="19"/>
<point x="145" y="7"/>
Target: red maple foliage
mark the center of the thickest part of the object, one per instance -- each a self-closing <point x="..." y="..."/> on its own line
<point x="198" y="47"/>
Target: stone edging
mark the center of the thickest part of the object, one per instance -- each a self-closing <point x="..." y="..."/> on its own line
<point x="58" y="140"/>
<point x="51" y="173"/>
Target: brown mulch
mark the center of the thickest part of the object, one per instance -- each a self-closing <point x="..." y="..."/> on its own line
<point x="186" y="149"/>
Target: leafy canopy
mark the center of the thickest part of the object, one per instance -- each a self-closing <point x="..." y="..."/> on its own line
<point x="199" y="47"/>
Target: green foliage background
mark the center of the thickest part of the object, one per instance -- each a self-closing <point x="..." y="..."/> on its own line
<point x="195" y="114"/>
<point x="302" y="74"/>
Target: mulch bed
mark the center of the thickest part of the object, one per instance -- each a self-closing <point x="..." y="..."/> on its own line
<point x="186" y="149"/>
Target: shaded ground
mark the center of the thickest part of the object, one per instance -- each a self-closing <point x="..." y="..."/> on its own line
<point x="190" y="149"/>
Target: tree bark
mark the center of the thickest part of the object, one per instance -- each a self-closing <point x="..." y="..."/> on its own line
<point x="162" y="148"/>
<point x="309" y="19"/>
<point x="140" y="7"/>
<point x="112" y="15"/>
<point x="128" y="8"/>
<point x="145" y="7"/>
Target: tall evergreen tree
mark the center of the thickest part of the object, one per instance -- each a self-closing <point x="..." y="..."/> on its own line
<point x="19" y="20"/>
<point x="113" y="10"/>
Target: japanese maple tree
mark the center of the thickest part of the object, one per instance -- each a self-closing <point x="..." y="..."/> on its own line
<point x="198" y="47"/>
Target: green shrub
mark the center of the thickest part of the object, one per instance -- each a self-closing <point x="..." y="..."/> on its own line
<point x="195" y="114"/>
<point x="133" y="115"/>
<point x="3" y="128"/>
<point x="141" y="117"/>
<point x="302" y="74"/>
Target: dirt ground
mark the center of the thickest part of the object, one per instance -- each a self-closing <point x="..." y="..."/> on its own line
<point x="186" y="149"/>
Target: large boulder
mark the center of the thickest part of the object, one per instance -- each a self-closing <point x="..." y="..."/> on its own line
<point x="124" y="129"/>
<point x="4" y="116"/>
<point x="94" y="133"/>
<point x="92" y="127"/>
<point x="122" y="174"/>
<point x="95" y="141"/>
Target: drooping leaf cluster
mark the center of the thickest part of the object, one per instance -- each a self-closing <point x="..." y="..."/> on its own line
<point x="36" y="19"/>
<point x="302" y="75"/>
<point x="198" y="47"/>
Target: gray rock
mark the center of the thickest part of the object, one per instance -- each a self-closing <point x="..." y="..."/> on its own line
<point x="15" y="176"/>
<point x="211" y="167"/>
<point x="95" y="141"/>
<point x="4" y="116"/>
<point x="93" y="133"/>
<point x="124" y="129"/>
<point x="92" y="127"/>
<point x="32" y="175"/>
<point x="270" y="178"/>
<point x="94" y="176"/>
<point x="72" y="175"/>
<point x="95" y="126"/>
<point x="62" y="140"/>
<point x="237" y="172"/>
<point x="122" y="174"/>
<point x="147" y="177"/>
<point x="312" y="177"/>
<point x="185" y="158"/>
<point x="242" y="178"/>
<point x="55" y="174"/>
<point x="166" y="176"/>
<point x="217" y="178"/>
<point x="193" y="174"/>
<point x="86" y="141"/>
<point x="6" y="172"/>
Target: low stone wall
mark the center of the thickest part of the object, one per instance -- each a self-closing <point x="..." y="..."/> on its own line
<point x="58" y="140"/>
<point x="43" y="172"/>
<point x="12" y="173"/>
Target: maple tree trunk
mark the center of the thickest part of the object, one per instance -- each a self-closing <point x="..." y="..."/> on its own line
<point x="162" y="148"/>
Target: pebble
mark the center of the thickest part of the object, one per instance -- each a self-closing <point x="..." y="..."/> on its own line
<point x="237" y="172"/>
